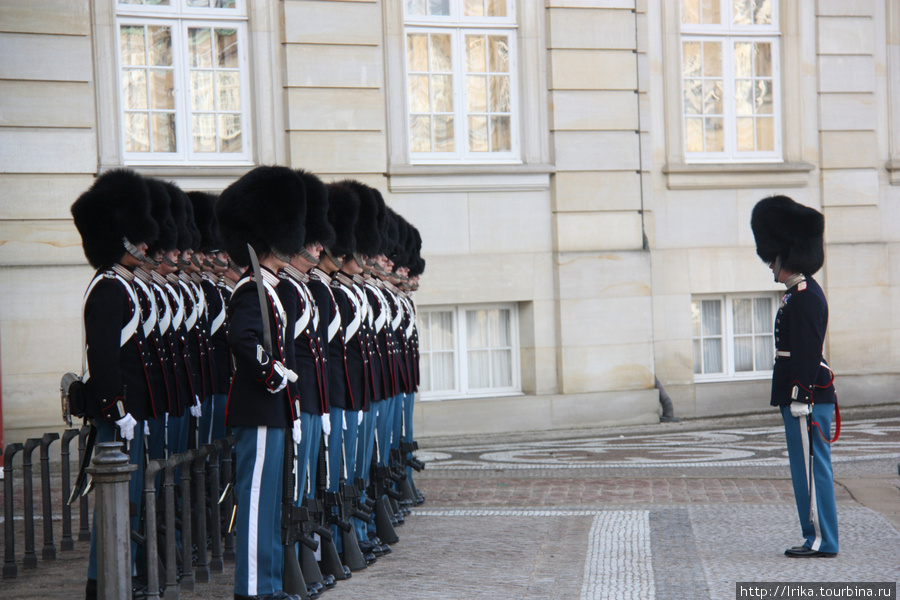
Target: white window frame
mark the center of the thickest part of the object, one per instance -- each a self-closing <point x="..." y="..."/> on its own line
<point x="460" y="354"/>
<point x="180" y="18"/>
<point x="727" y="33"/>
<point x="728" y="373"/>
<point x="458" y="26"/>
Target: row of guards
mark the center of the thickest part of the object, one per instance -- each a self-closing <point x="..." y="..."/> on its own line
<point x="256" y="355"/>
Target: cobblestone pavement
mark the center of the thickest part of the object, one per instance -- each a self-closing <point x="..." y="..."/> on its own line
<point x="669" y="511"/>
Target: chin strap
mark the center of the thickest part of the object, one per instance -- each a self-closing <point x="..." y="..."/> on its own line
<point x="133" y="251"/>
<point x="308" y="257"/>
<point x="337" y="262"/>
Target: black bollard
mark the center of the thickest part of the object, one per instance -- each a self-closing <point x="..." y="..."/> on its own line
<point x="9" y="564"/>
<point x="152" y="549"/>
<point x="84" y="528"/>
<point x="66" y="543"/>
<point x="171" y="546"/>
<point x="216" y="565"/>
<point x="187" y="559"/>
<point x="201" y="572"/>
<point x="29" y="561"/>
<point x="49" y="550"/>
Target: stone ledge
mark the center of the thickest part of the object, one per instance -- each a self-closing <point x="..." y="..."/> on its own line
<point x="682" y="176"/>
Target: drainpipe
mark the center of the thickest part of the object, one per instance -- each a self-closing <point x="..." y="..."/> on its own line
<point x="2" y="443"/>
<point x="668" y="414"/>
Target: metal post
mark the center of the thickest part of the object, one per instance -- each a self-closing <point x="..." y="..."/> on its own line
<point x="111" y="474"/>
<point x="152" y="551"/>
<point x="29" y="561"/>
<point x="227" y="476"/>
<point x="201" y="573"/>
<point x="215" y="562"/>
<point x="84" y="527"/>
<point x="187" y="545"/>
<point x="9" y="563"/>
<point x="171" y="546"/>
<point x="49" y="550"/>
<point x="66" y="543"/>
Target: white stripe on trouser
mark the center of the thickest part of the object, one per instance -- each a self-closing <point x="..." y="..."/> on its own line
<point x="253" y="527"/>
<point x="811" y="484"/>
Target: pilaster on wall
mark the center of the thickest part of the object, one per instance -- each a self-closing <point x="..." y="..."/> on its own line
<point x="597" y="59"/>
<point x="853" y="54"/>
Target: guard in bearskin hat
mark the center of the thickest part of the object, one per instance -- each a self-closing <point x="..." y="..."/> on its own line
<point x="789" y="238"/>
<point x="260" y="211"/>
<point x="115" y="223"/>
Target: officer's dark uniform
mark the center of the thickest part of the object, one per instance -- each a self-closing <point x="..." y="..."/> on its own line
<point x="789" y="236"/>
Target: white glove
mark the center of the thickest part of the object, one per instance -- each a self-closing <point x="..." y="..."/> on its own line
<point x="295" y="431"/>
<point x="147" y="428"/>
<point x="344" y="420"/>
<point x="286" y="375"/>
<point x="126" y="426"/>
<point x="799" y="409"/>
<point x="196" y="409"/>
<point x="326" y="424"/>
<point x="359" y="418"/>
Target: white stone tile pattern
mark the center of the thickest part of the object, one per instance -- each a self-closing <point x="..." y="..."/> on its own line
<point x="618" y="565"/>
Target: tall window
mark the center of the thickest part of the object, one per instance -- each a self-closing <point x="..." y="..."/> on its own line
<point x="730" y="80"/>
<point x="468" y="351"/>
<point x="183" y="73"/>
<point x="733" y="336"/>
<point x="461" y="83"/>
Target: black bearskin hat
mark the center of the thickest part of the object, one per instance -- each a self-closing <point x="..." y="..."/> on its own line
<point x="390" y="232"/>
<point x="318" y="229"/>
<point x="418" y="267"/>
<point x="265" y="208"/>
<point x="183" y="213"/>
<point x="343" y="212"/>
<point x="399" y="256"/>
<point x="161" y="209"/>
<point x="205" y="218"/>
<point x="368" y="234"/>
<point x="784" y="228"/>
<point x="116" y="206"/>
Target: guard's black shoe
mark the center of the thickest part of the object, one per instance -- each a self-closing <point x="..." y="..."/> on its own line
<point x="329" y="581"/>
<point x="274" y="596"/>
<point x="804" y="552"/>
<point x="90" y="590"/>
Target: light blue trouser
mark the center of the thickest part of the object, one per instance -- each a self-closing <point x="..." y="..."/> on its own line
<point x="308" y="455"/>
<point x="385" y="427"/>
<point x="822" y="533"/>
<point x="364" y="451"/>
<point x="106" y="432"/>
<point x="259" y="553"/>
<point x="212" y="421"/>
<point x="407" y="435"/>
<point x="337" y="437"/>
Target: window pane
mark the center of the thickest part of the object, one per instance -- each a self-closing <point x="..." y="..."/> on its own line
<point x="230" y="133"/>
<point x="693" y="135"/>
<point x="712" y="59"/>
<point x="200" y="48"/>
<point x="743" y="315"/>
<point x="743" y="59"/>
<point x="162" y="89"/>
<point x="715" y="134"/>
<point x="712" y="356"/>
<point x="763" y="59"/>
<point x="164" y="132"/>
<point x="500" y="100"/>
<point x="476" y="60"/>
<point x="442" y="93"/>
<point x="416" y="7"/>
<point x="137" y="132"/>
<point x="204" y="133"/>
<point x="695" y="319"/>
<point x="498" y="53"/>
<point x="501" y="134"/>
<point x="443" y="374"/>
<point x="229" y="89"/>
<point x="712" y="97"/>
<point x="478" y="134"/>
<point x="496" y="8"/>
<point x="745" y="142"/>
<point x="698" y="358"/>
<point x="743" y="97"/>
<point x="765" y="134"/>
<point x="743" y="354"/>
<point x="443" y="134"/>
<point x="762" y="12"/>
<point x="420" y="134"/>
<point x="439" y="8"/>
<point x="419" y="100"/>
<point x="440" y="53"/>
<point x="202" y="90"/>
<point x="227" y="47"/>
<point x="160" y="46"/>
<point x="476" y="93"/>
<point x="742" y="12"/>
<point x="711" y="317"/>
<point x="417" y="52"/>
<point x="765" y="352"/>
<point x="690" y="11"/>
<point x="501" y="368"/>
<point x="474" y="8"/>
<point x="199" y="3"/>
<point x="710" y="13"/>
<point x="477" y="328"/>
<point x="691" y="59"/>
<point x="693" y="94"/>
<point x="763" y="97"/>
<point x="762" y="309"/>
<point x="134" y="88"/>
<point x="442" y="330"/>
<point x="132" y="45"/>
<point x="226" y="4"/>
<point x="479" y="369"/>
